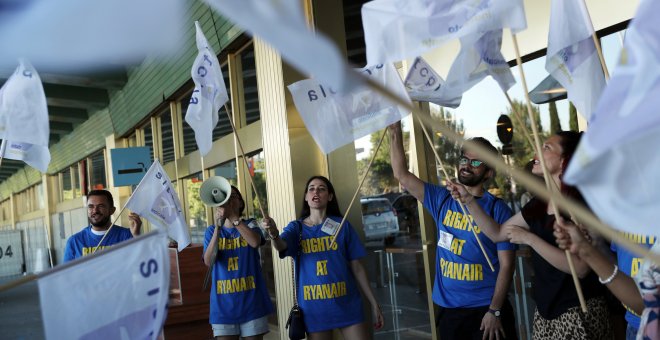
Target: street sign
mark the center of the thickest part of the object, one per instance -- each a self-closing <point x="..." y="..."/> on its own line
<point x="129" y="165"/>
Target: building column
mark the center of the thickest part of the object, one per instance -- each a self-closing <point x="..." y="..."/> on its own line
<point x="420" y="152"/>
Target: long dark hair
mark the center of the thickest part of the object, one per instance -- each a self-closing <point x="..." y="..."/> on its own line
<point x="237" y="192"/>
<point x="333" y="205"/>
<point x="569" y="141"/>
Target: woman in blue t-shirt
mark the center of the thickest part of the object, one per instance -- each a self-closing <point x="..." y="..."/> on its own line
<point x="240" y="304"/>
<point x="328" y="276"/>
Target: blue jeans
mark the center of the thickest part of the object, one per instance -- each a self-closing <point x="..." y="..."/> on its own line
<point x="631" y="332"/>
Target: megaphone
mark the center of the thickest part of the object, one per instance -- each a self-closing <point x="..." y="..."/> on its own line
<point x="215" y="191"/>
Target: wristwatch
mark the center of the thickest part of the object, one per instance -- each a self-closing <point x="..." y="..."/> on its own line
<point x="236" y="223"/>
<point x="495" y="312"/>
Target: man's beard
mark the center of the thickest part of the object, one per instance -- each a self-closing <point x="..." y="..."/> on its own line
<point x="471" y="181"/>
<point x="102" y="223"/>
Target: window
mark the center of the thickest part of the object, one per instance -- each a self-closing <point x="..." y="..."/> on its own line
<point x="97" y="174"/>
<point x="228" y="171"/>
<point x="167" y="137"/>
<point x="67" y="187"/>
<point x="249" y="77"/>
<point x="195" y="208"/>
<point x="75" y="180"/>
<point x="149" y="139"/>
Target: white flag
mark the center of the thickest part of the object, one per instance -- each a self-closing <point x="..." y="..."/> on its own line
<point x="572" y="58"/>
<point x="335" y="119"/>
<point x="281" y="24"/>
<point x="24" y="127"/>
<point x="616" y="164"/>
<point x="121" y="293"/>
<point x="479" y="57"/>
<point x="156" y="200"/>
<point x="424" y="84"/>
<point x="75" y="34"/>
<point x="209" y="95"/>
<point x="396" y="30"/>
<point x="36" y="156"/>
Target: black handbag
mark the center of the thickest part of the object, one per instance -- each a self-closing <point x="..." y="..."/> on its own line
<point x="296" y="322"/>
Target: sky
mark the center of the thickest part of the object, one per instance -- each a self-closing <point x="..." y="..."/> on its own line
<point x="484" y="103"/>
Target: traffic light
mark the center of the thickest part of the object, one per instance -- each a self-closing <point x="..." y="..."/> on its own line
<point x="505" y="134"/>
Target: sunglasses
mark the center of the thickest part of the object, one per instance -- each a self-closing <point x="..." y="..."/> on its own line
<point x="475" y="163"/>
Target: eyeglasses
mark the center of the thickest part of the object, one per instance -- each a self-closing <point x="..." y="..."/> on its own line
<point x="475" y="163"/>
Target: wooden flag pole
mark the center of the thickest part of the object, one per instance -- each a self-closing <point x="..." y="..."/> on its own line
<point x="3" y="147"/>
<point x="108" y="231"/>
<point x="546" y="175"/>
<point x="357" y="191"/>
<point x="240" y="145"/>
<point x="594" y="37"/>
<point x="116" y="218"/>
<point x="519" y="118"/>
<point x="463" y="208"/>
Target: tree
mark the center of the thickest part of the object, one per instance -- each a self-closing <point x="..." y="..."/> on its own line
<point x="555" y="124"/>
<point x="381" y="177"/>
<point x="449" y="151"/>
<point x="572" y="117"/>
<point x="196" y="208"/>
<point x="523" y="152"/>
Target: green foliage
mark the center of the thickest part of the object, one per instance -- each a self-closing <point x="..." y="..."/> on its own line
<point x="196" y="209"/>
<point x="380" y="178"/>
<point x="449" y="151"/>
<point x="572" y="117"/>
<point x="259" y="182"/>
<point x="523" y="152"/>
<point x="555" y="124"/>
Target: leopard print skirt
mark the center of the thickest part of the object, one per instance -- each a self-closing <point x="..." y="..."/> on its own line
<point x="575" y="325"/>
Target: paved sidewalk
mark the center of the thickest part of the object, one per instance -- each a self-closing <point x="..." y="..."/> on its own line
<point x="20" y="316"/>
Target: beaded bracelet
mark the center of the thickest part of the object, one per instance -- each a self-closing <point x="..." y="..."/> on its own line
<point x="609" y="279"/>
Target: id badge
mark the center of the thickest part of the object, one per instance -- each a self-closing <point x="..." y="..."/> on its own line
<point x="445" y="239"/>
<point x="329" y="226"/>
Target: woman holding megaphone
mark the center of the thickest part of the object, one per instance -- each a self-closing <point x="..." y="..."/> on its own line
<point x="240" y="304"/>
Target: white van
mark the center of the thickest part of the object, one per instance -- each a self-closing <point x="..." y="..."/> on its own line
<point x="379" y="220"/>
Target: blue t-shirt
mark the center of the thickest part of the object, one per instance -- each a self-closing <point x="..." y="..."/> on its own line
<point x="83" y="242"/>
<point x="630" y="264"/>
<point x="239" y="291"/>
<point x="463" y="277"/>
<point x="327" y="290"/>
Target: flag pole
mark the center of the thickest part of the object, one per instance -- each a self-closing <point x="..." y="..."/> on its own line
<point x="120" y="211"/>
<point x="529" y="181"/>
<point x="240" y="145"/>
<point x="594" y="37"/>
<point x="546" y="175"/>
<point x="108" y="231"/>
<point x="519" y="118"/>
<point x="357" y="191"/>
<point x="463" y="208"/>
<point x="2" y="150"/>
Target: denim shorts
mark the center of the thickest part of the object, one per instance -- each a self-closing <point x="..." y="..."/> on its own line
<point x="250" y="328"/>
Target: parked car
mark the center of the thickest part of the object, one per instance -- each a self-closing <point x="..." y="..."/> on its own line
<point x="379" y="220"/>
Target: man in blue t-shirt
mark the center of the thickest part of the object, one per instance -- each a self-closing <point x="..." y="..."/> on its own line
<point x="100" y="207"/>
<point x="472" y="299"/>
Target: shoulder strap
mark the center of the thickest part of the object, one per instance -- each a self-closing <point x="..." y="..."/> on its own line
<point x="296" y="264"/>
